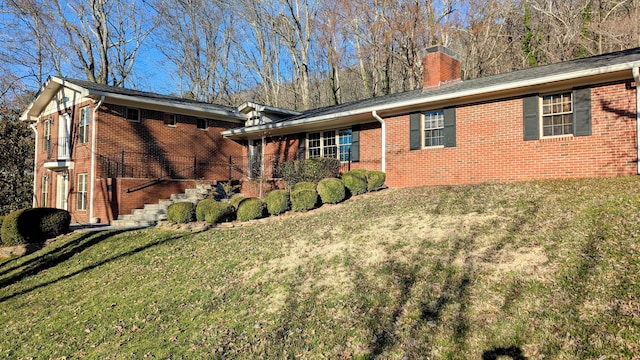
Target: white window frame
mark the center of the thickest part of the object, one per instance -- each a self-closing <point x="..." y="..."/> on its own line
<point x="46" y="138"/>
<point x="206" y="124"/>
<point x="126" y="115"/>
<point x="552" y="113"/>
<point x="83" y="130"/>
<point x="45" y="191"/>
<point x="81" y="204"/>
<point x="327" y="143"/>
<point x="173" y="119"/>
<point x="432" y="116"/>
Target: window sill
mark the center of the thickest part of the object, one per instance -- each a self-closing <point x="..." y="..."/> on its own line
<point x="556" y="138"/>
<point x="433" y="147"/>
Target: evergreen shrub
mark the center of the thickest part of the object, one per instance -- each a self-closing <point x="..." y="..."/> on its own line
<point x="277" y="202"/>
<point x="331" y="190"/>
<point x="355" y="181"/>
<point x="303" y="199"/>
<point x="249" y="209"/>
<point x="181" y="212"/>
<point x="375" y="180"/>
<point x="213" y="211"/>
<point x="304" y="185"/>
<point x="34" y="225"/>
<point x="309" y="170"/>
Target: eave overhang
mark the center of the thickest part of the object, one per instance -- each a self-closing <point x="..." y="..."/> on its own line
<point x="54" y="84"/>
<point x="542" y="84"/>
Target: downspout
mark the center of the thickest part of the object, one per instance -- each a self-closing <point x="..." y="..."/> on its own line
<point x="636" y="77"/>
<point x="92" y="180"/>
<point x="35" y="163"/>
<point x="384" y="139"/>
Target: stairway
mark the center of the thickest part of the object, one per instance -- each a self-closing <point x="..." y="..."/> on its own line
<point x="152" y="213"/>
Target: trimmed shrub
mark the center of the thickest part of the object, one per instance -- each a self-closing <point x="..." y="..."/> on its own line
<point x="1" y="220"/>
<point x="303" y="199"/>
<point x="375" y="180"/>
<point x="277" y="202"/>
<point x="331" y="190"/>
<point x="34" y="225"/>
<point x="304" y="185"/>
<point x="219" y="212"/>
<point x="249" y="209"/>
<point x="355" y="181"/>
<point x="309" y="170"/>
<point x="181" y="212"/>
<point x="235" y="200"/>
<point x="213" y="211"/>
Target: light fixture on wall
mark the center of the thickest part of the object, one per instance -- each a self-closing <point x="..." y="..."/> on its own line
<point x="65" y="174"/>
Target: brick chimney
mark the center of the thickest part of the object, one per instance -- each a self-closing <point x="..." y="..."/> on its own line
<point x="440" y="66"/>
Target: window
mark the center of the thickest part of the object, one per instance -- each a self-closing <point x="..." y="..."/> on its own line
<point x="46" y="139"/>
<point x="557" y="114"/>
<point x="133" y="114"/>
<point x="433" y="127"/>
<point x="82" y="191"/>
<point x="202" y="124"/>
<point x="45" y="191"/>
<point x="170" y="119"/>
<point x="83" y="131"/>
<point x="331" y="143"/>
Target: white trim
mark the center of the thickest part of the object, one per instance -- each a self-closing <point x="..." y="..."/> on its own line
<point x="35" y="164"/>
<point x="428" y="99"/>
<point x="636" y="77"/>
<point x="384" y="140"/>
<point x="92" y="177"/>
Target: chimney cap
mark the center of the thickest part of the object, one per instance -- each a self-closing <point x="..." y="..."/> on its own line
<point x="442" y="49"/>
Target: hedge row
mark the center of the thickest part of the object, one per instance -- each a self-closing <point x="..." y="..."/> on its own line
<point x="27" y="226"/>
<point x="304" y="196"/>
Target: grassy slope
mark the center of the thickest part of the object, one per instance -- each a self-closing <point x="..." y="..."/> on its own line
<point x="542" y="269"/>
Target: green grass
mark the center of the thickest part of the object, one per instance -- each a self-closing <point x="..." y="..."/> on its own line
<point x="528" y="270"/>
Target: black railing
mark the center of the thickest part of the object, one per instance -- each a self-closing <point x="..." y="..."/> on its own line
<point x="58" y="148"/>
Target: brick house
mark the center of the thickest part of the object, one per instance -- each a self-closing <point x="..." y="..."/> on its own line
<point x="572" y="119"/>
<point x="102" y="151"/>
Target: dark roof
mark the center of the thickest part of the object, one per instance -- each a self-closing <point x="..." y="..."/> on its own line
<point x="620" y="57"/>
<point x="102" y="88"/>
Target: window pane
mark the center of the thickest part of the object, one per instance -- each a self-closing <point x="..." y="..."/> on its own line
<point x="344" y="139"/>
<point x="313" y="142"/>
<point x="557" y="114"/>
<point x="434" y="128"/>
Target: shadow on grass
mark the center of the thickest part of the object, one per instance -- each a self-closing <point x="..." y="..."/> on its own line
<point x="53" y="257"/>
<point x="60" y="255"/>
<point x="512" y="352"/>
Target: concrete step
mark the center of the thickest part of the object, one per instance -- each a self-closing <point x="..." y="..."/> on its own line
<point x="133" y="223"/>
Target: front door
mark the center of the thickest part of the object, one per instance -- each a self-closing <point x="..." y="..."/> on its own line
<point x="62" y="190"/>
<point x="255" y="159"/>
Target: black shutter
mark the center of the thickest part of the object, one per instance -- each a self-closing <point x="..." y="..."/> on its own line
<point x="355" y="143"/>
<point x="302" y="139"/>
<point x="414" y="128"/>
<point x="582" y="112"/>
<point x="450" y="127"/>
<point x="531" y="119"/>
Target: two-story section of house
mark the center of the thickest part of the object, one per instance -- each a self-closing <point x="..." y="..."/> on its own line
<point x="102" y="151"/>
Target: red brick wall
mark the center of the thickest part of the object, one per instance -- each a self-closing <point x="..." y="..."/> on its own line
<point x="175" y="146"/>
<point x="490" y="145"/>
<point x="439" y="68"/>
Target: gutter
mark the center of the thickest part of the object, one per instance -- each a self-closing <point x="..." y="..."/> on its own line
<point x="35" y="164"/>
<point x="450" y="96"/>
<point x="92" y="180"/>
<point x="636" y="77"/>
<point x="384" y="139"/>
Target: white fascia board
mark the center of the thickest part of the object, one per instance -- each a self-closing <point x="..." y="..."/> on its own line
<point x="46" y="93"/>
<point x="227" y="115"/>
<point x="443" y="97"/>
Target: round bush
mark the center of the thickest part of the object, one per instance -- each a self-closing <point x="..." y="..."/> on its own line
<point x="235" y="200"/>
<point x="34" y="225"/>
<point x="221" y="212"/>
<point x="213" y="211"/>
<point x="277" y="202"/>
<point x="181" y="212"/>
<point x="303" y="199"/>
<point x="249" y="209"/>
<point x="355" y="181"/>
<point x="304" y="185"/>
<point x="203" y="207"/>
<point x="331" y="190"/>
<point x="375" y="180"/>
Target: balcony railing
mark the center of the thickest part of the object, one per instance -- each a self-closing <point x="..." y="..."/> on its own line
<point x="58" y="148"/>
